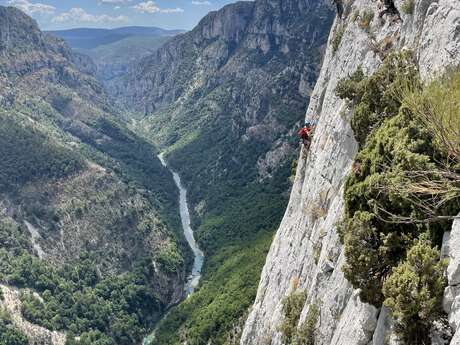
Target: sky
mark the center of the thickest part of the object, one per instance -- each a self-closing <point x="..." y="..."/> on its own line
<point x="167" y="14"/>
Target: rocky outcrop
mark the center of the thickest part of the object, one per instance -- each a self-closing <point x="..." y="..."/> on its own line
<point x="306" y="248"/>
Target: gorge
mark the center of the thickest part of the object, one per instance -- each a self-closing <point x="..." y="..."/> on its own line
<point x="231" y="235"/>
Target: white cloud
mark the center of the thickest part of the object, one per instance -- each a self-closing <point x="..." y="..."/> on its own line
<point x="201" y="3"/>
<point x="79" y="15"/>
<point x="114" y="2"/>
<point x="32" y="8"/>
<point x="151" y="7"/>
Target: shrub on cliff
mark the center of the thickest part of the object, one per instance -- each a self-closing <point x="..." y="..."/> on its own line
<point x="414" y="292"/>
<point x="404" y="189"/>
<point x="375" y="98"/>
<point x="306" y="332"/>
<point x="438" y="107"/>
<point x="292" y="308"/>
<point x="408" y="7"/>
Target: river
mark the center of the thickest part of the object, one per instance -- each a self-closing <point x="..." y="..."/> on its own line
<point x="194" y="278"/>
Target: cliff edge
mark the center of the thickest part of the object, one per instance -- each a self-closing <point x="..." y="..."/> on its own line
<point x="306" y="251"/>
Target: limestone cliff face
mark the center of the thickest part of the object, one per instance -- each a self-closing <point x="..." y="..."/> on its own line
<point x="307" y="248"/>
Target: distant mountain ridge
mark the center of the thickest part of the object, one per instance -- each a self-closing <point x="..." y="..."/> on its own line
<point x="107" y="53"/>
<point x="89" y="38"/>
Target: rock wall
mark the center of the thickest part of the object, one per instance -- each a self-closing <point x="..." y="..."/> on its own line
<point x="452" y="293"/>
<point x="306" y="250"/>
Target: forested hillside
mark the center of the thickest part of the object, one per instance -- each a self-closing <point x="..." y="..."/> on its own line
<point x="89" y="227"/>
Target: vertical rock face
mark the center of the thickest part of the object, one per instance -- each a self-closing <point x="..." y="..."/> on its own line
<point x="452" y="293"/>
<point x="306" y="248"/>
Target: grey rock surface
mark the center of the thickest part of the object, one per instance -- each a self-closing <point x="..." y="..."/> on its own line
<point x="316" y="203"/>
<point x="452" y="292"/>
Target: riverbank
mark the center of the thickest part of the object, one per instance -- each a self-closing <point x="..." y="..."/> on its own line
<point x="195" y="276"/>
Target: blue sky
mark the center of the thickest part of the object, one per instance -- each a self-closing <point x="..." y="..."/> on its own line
<point x="168" y="14"/>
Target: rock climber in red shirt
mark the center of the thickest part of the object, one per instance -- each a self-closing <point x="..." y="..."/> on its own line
<point x="305" y="133"/>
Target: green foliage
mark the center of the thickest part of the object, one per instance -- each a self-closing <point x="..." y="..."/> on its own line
<point x="75" y="298"/>
<point x="438" y="106"/>
<point x="169" y="257"/>
<point x="337" y="38"/>
<point x="8" y="334"/>
<point x="292" y="308"/>
<point x="12" y="236"/>
<point x="306" y="332"/>
<point x="292" y="333"/>
<point x="232" y="278"/>
<point x="383" y="220"/>
<point x="27" y="155"/>
<point x="138" y="164"/>
<point x="362" y="258"/>
<point x="408" y="7"/>
<point x="377" y="97"/>
<point x="414" y="293"/>
<point x="372" y="245"/>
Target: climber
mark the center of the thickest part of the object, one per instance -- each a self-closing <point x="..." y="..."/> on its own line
<point x="305" y="133"/>
<point x="339" y="5"/>
<point x="390" y="9"/>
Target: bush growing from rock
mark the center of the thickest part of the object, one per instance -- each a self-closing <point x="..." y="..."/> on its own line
<point x="414" y="292"/>
<point x="375" y="98"/>
<point x="306" y="332"/>
<point x="400" y="200"/>
<point x="292" y="308"/>
<point x="408" y="7"/>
